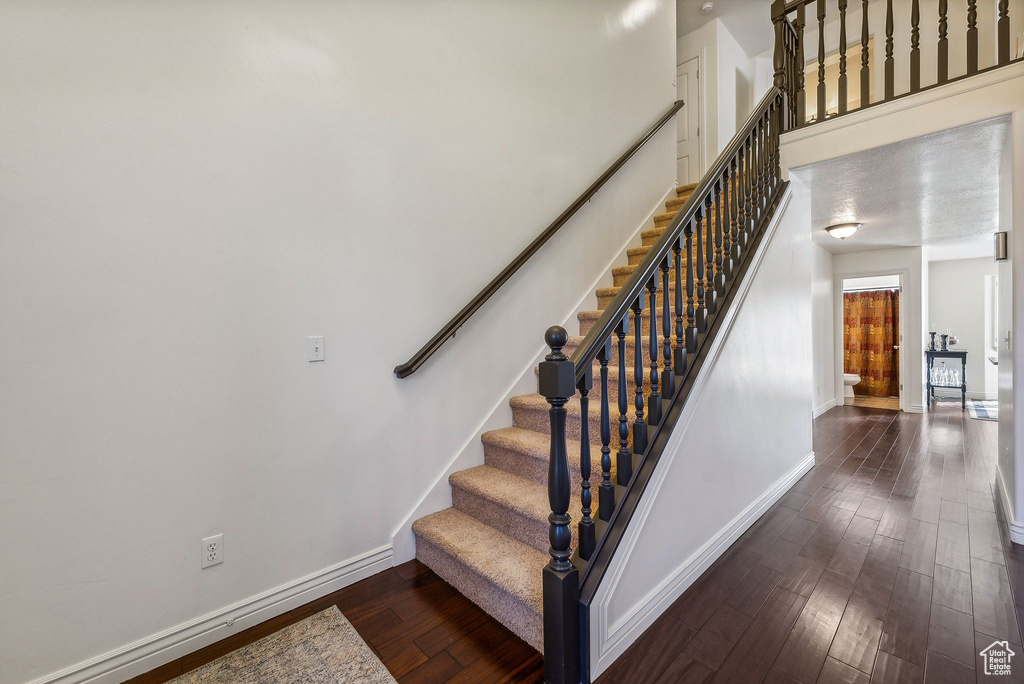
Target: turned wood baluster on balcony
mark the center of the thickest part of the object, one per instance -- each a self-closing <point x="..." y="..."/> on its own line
<point x="691" y="310"/>
<point x="606" y="492"/>
<point x="719" y="242"/>
<point x="654" y="407"/>
<point x="801" y="94"/>
<point x="561" y="578"/>
<point x="865" y="58"/>
<point x="639" y="424"/>
<point x="942" y="66"/>
<point x="915" y="46"/>
<point x="972" y="36"/>
<point x="681" y="347"/>
<point x="1003" y="32"/>
<point x="890" y="64"/>
<point x="587" y="537"/>
<point x="821" y="60"/>
<point x="698" y="228"/>
<point x="668" y="376"/>
<point x="624" y="459"/>
<point x="710" y="294"/>
<point x="741" y="192"/>
<point x="842" y="56"/>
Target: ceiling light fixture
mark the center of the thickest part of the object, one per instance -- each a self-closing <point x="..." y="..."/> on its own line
<point x="706" y="8"/>
<point x="843" y="230"/>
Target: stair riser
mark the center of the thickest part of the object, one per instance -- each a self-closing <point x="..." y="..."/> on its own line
<point x="524" y="621"/>
<point x="650" y="236"/>
<point x="586" y="324"/>
<point x="604" y="300"/>
<point x="530" y="532"/>
<point x="539" y="421"/>
<point x="532" y="468"/>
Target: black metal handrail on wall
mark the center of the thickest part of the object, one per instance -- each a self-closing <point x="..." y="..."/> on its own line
<point x="693" y="266"/>
<point x="790" y="21"/>
<point x="451" y="327"/>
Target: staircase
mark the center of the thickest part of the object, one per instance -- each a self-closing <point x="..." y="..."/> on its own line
<point x="492" y="545"/>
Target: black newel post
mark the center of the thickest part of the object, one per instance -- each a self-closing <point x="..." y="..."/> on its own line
<point x="561" y="588"/>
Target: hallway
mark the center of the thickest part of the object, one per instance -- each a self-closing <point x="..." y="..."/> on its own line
<point x="885" y="563"/>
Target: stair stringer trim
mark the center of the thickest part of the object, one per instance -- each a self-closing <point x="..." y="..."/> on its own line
<point x="609" y="641"/>
<point x="438" y="495"/>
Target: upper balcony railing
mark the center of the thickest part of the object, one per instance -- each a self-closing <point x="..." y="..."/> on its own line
<point x="839" y="87"/>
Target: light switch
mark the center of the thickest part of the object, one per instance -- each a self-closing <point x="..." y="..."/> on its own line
<point x="316" y="348"/>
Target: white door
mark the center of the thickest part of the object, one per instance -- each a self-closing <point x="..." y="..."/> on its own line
<point x="688" y="143"/>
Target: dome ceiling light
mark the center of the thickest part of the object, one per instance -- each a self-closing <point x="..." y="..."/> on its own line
<point x="843" y="230"/>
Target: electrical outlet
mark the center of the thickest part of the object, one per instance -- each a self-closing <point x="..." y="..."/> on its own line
<point x="213" y="550"/>
<point x="315" y="351"/>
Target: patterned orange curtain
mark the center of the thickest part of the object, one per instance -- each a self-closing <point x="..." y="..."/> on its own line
<point x="870" y="321"/>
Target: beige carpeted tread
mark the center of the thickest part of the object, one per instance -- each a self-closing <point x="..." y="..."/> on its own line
<point x="515" y="505"/>
<point x="530" y="412"/>
<point x="588" y="319"/>
<point x="605" y="295"/>
<point x="676" y="203"/>
<point x="576" y="340"/>
<point x="525" y="453"/>
<point x="498" y="573"/>
<point x="684" y="189"/>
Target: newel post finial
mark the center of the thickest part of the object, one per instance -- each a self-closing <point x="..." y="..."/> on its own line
<point x="561" y="587"/>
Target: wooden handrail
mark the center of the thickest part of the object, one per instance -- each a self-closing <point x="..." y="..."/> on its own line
<point x="451" y="327"/>
<point x="613" y="313"/>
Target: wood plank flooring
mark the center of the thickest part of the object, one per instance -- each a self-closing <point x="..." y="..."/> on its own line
<point x="887" y="562"/>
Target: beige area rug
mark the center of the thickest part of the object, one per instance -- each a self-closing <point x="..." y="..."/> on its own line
<point x="322" y="648"/>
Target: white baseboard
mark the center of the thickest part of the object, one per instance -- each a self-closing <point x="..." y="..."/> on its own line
<point x="438" y="495"/>
<point x="627" y="630"/>
<point x="1014" y="529"/>
<point x="831" y="403"/>
<point x="144" y="655"/>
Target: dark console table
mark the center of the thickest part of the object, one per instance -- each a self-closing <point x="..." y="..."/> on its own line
<point x="961" y="354"/>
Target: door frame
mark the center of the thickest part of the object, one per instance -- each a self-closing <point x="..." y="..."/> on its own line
<point x="839" y="338"/>
<point x="701" y="57"/>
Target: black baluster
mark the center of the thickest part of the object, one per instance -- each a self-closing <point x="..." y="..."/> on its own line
<point x="915" y="46"/>
<point x="624" y="459"/>
<point x="561" y="578"/>
<point x="890" y="65"/>
<point x="639" y="424"/>
<point x="691" y="309"/>
<point x="698" y="227"/>
<point x="842" y="56"/>
<point x="587" y="536"/>
<point x="654" y="407"/>
<point x="801" y="95"/>
<point x="668" y="376"/>
<point x="821" y="60"/>
<point x="865" y="68"/>
<point x="606" y="492"/>
<point x="942" y="68"/>
<point x="681" y="348"/>
<point x="741" y="212"/>
<point x="719" y="242"/>
<point x="710" y="298"/>
<point x="1003" y="32"/>
<point x="727" y="221"/>
<point x="735" y="198"/>
<point x="972" y="36"/>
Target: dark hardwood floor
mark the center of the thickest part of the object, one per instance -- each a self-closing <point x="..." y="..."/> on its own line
<point x="887" y="562"/>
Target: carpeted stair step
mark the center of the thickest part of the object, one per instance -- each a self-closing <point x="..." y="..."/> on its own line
<point x="651" y="235"/>
<point x="525" y="453"/>
<point x="613" y="398"/>
<point x="530" y="412"/>
<point x="686" y="189"/>
<point x="499" y="574"/>
<point x="676" y="203"/>
<point x="576" y="340"/>
<point x="515" y="505"/>
<point x="587" y="319"/>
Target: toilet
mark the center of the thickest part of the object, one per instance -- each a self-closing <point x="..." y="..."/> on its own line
<point x="849" y="380"/>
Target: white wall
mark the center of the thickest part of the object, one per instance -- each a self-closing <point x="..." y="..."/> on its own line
<point x="822" y="329"/>
<point x="718" y="471"/>
<point x="908" y="262"/>
<point x="956" y="299"/>
<point x="190" y="190"/>
<point x="727" y="83"/>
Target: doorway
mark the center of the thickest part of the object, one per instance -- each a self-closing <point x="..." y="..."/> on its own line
<point x="688" y="161"/>
<point x="872" y="336"/>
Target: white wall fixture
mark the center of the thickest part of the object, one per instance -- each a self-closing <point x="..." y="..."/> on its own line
<point x="841" y="231"/>
<point x="213" y="550"/>
<point x="316" y="348"/>
<point x="1001" y="253"/>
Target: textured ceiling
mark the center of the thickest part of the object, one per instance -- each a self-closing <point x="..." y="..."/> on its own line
<point x="749" y="21"/>
<point x="940" y="191"/>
